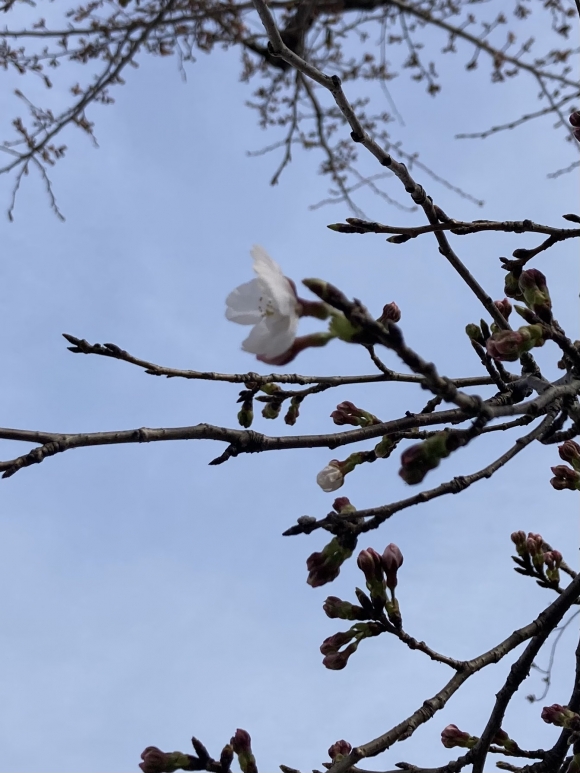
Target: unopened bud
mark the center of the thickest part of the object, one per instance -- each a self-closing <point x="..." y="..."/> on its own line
<point x="272" y="410"/>
<point x="519" y="540"/>
<point x="452" y="736"/>
<point x="339" y="749"/>
<point x="242" y="745"/>
<point x="417" y="460"/>
<point x="348" y="413"/>
<point x="370" y="564"/>
<point x="343" y="505"/>
<point x="527" y="314"/>
<point x="391" y="313"/>
<point x="226" y="757"/>
<point x="246" y="414"/>
<point x="536" y="295"/>
<point x="336" y="661"/>
<point x="504" y="307"/>
<point x="330" y="477"/>
<point x="553" y="560"/>
<point x="570" y="452"/>
<point x="561" y="716"/>
<point x="565" y="478"/>
<point x="392" y="560"/>
<point x="384" y="447"/>
<point x="156" y="761"/>
<point x="343" y="610"/>
<point x="474" y="333"/>
<point x="512" y="287"/>
<point x="325" y="566"/>
<point x="509" y="345"/>
<point x="293" y="411"/>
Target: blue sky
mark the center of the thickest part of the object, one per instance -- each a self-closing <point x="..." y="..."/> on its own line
<point x="146" y="596"/>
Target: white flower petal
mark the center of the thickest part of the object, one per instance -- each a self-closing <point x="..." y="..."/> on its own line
<point x="270" y="337"/>
<point x="270" y="304"/>
<point x="243" y="304"/>
<point x="274" y="284"/>
<point x="330" y="478"/>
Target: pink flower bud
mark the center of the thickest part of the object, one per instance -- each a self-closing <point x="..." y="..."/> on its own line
<point x="553" y="560"/>
<point x="534" y="544"/>
<point x="509" y="345"/>
<point x="343" y="610"/>
<point x="392" y="559"/>
<point x="156" y="761"/>
<point x="241" y="743"/>
<point x="325" y="566"/>
<point x="343" y="505"/>
<point x="417" y="460"/>
<point x="561" y="716"/>
<point x="391" y="313"/>
<point x="452" y="736"/>
<point x="570" y="452"/>
<point x="347" y="413"/>
<point x="565" y="478"/>
<point x="370" y="564"/>
<point x="519" y="540"/>
<point x="335" y="642"/>
<point x="339" y="749"/>
<point x="504" y="307"/>
<point x="336" y="661"/>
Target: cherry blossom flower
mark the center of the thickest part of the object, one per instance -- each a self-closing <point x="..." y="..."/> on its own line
<point x="269" y="303"/>
<point x="331" y="477"/>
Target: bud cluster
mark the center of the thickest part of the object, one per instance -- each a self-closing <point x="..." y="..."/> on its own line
<point x="347" y="413"/>
<point x="156" y="761"/>
<point x="452" y="737"/>
<point x="380" y="573"/>
<point x="564" y="477"/>
<point x="336" y="658"/>
<point x="509" y="345"/>
<point x="561" y="716"/>
<point x="533" y="558"/>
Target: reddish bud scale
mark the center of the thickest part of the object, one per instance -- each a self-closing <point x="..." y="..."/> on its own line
<point x="340" y="748"/>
